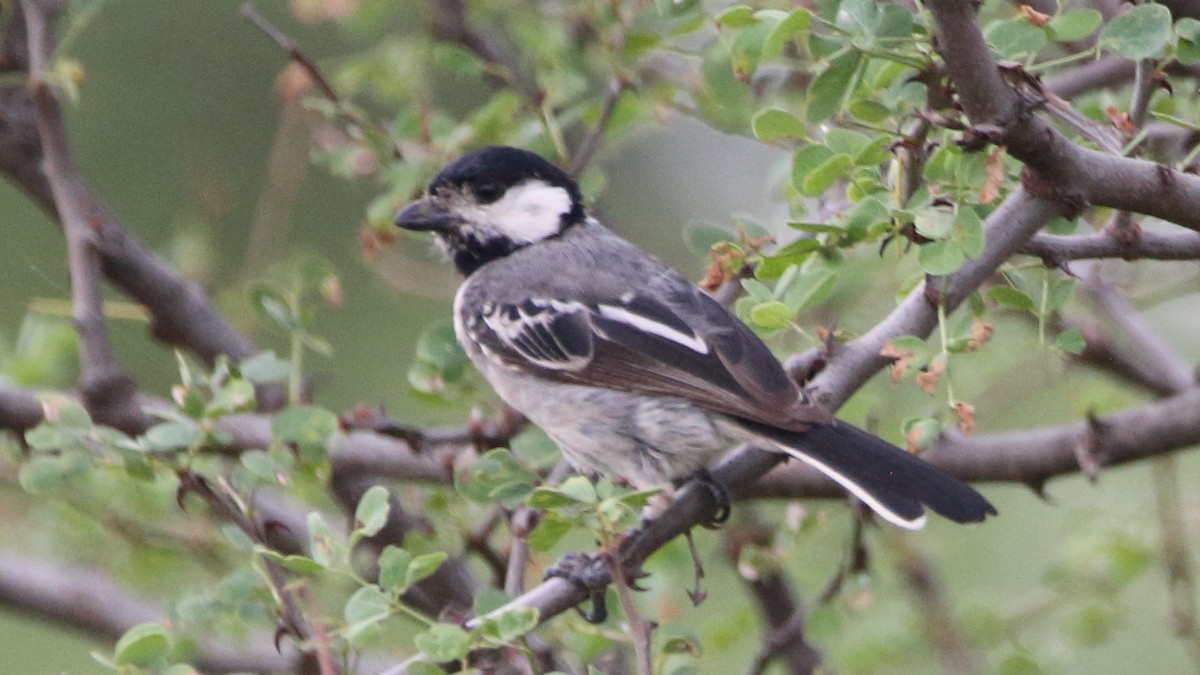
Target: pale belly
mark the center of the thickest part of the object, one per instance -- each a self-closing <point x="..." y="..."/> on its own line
<point x="648" y="442"/>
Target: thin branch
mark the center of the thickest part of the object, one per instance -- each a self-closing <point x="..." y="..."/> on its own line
<point x="1177" y="562"/>
<point x="1057" y="249"/>
<point x="640" y="629"/>
<point x="587" y="147"/>
<point x="250" y="13"/>
<point x="782" y="613"/>
<point x="226" y="506"/>
<point x="1159" y="364"/>
<point x="940" y="627"/>
<point x="449" y="22"/>
<point x="1143" y="88"/>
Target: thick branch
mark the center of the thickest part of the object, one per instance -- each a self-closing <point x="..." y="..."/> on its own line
<point x="1062" y="170"/>
<point x="108" y="391"/>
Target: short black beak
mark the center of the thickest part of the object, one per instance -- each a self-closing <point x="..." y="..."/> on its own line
<point x="424" y="215"/>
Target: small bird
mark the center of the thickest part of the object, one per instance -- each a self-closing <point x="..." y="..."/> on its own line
<point x="631" y="370"/>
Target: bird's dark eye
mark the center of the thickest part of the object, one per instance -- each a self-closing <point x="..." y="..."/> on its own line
<point x="487" y="193"/>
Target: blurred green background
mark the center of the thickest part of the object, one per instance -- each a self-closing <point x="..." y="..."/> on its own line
<point x="174" y="127"/>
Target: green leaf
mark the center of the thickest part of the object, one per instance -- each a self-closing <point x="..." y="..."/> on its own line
<point x="868" y="111"/>
<point x="71" y="415"/>
<point x="46" y="436"/>
<point x="1187" y="51"/>
<point x="550" y="529"/>
<point x="921" y="431"/>
<point x="294" y="563"/>
<point x="304" y="424"/>
<point x="175" y="435"/>
<point x="736" y="16"/>
<point x="810" y="289"/>
<point x="438" y="346"/>
<point x="264" y="368"/>
<point x="511" y="624"/>
<point x="940" y="257"/>
<point x="873" y="153"/>
<point x="1071" y="341"/>
<point x="1187" y="28"/>
<point x="1140" y="33"/>
<point x="495" y="476"/>
<point x="806" y="160"/>
<point x="1011" y="298"/>
<point x="322" y="544"/>
<point x="934" y="223"/>
<point x="861" y="19"/>
<point x="274" y="312"/>
<point x="824" y="175"/>
<point x="1074" y="25"/>
<point x="368" y="605"/>
<point x="146" y="645"/>
<point x="444" y="642"/>
<point x="846" y="141"/>
<point x="580" y="489"/>
<point x="773" y="314"/>
<point x="424" y="565"/>
<point x="969" y="232"/>
<point x="1015" y="38"/>
<point x="44" y="474"/>
<point x="773" y="124"/>
<point x="701" y="237"/>
<point x="1060" y="292"/>
<point x="827" y="93"/>
<point x="394" y="564"/>
<point x="372" y="512"/>
<point x="793" y="24"/>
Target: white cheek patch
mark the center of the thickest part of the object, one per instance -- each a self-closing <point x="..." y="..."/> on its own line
<point x="647" y="325"/>
<point x="529" y="212"/>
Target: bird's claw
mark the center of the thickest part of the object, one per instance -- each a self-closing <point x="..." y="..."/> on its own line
<point x="578" y="569"/>
<point x="719" y="494"/>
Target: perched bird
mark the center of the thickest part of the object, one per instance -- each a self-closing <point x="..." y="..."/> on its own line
<point x="633" y="371"/>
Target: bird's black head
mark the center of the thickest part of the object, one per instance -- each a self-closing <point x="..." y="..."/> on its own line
<point x="492" y="202"/>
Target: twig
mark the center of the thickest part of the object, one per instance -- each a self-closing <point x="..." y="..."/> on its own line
<point x="226" y="506"/>
<point x="783" y="614"/>
<point x="640" y="629"/>
<point x="250" y="12"/>
<point x="449" y="22"/>
<point x="587" y="147"/>
<point x="940" y="627"/>
<point x="1161" y="366"/>
<point x="1177" y="564"/>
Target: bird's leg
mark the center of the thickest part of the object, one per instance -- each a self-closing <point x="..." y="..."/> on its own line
<point x="719" y="494"/>
<point x="578" y="569"/>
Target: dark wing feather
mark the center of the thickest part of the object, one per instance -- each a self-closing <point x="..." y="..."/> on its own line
<point x="684" y="346"/>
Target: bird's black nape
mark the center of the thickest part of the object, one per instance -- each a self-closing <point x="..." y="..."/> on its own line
<point x="488" y="173"/>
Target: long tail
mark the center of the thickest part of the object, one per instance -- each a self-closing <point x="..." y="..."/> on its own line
<point x="891" y="481"/>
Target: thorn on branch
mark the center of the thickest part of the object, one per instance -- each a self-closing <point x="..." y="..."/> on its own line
<point x="1087" y="449"/>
